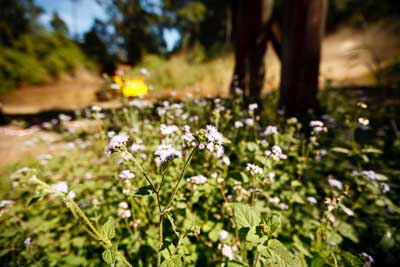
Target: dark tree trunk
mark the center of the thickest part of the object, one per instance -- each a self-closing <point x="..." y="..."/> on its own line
<point x="302" y="29"/>
<point x="253" y="30"/>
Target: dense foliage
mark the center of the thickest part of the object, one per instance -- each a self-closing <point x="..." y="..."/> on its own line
<point x="230" y="186"/>
<point x="49" y="54"/>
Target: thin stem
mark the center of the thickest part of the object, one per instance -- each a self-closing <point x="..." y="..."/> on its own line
<point x="256" y="259"/>
<point x="160" y="245"/>
<point x="143" y="172"/>
<point x="179" y="180"/>
<point x="75" y="208"/>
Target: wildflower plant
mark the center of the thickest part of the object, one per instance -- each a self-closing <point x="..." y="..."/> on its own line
<point x="205" y="183"/>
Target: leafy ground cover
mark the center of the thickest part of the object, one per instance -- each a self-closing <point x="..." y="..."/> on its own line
<point x="211" y="182"/>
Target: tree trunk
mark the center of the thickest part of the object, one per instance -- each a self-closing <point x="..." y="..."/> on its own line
<point x="302" y="29"/>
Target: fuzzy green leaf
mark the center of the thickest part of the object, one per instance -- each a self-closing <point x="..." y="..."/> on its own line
<point x="108" y="229"/>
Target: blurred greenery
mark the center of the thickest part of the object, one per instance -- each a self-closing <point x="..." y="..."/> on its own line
<point x="37" y="58"/>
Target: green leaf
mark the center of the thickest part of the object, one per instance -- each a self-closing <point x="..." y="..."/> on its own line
<point x="174" y="261"/>
<point x="347" y="230"/>
<point x="110" y="255"/>
<point x="108" y="229"/>
<point x="245" y="216"/>
<point x="280" y="255"/>
<point x="371" y="150"/>
<point x="341" y="150"/>
<point x="144" y="191"/>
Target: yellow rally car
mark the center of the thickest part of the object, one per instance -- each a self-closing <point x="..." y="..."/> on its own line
<point x="117" y="86"/>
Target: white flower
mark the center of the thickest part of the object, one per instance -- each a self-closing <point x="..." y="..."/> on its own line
<point x="254" y="169"/>
<point x="188" y="136"/>
<point x="28" y="241"/>
<point x="96" y="108"/>
<point x="385" y="188"/>
<point x="60" y="187"/>
<point x="116" y="142"/>
<point x="144" y="72"/>
<point x="292" y="120"/>
<point x="64" y="117"/>
<point x="71" y="195"/>
<point x="283" y="206"/>
<point x="227" y="251"/>
<point x="368" y="257"/>
<point x="198" y="179"/>
<point x="126" y="174"/>
<point x="274" y="200"/>
<point x="110" y="134"/>
<point x="215" y="141"/>
<point x="168" y="129"/>
<point x="253" y="106"/>
<point x="312" y="200"/>
<point x="223" y="235"/>
<point x="226" y="160"/>
<point x="123" y="205"/>
<point x="135" y="147"/>
<point x="249" y="122"/>
<point x="123" y="210"/>
<point x="124" y="213"/>
<point x="346" y="210"/>
<point x="363" y="121"/>
<point x="275" y="153"/>
<point x="270" y="130"/>
<point x="316" y="124"/>
<point x="335" y="183"/>
<point x="369" y="174"/>
<point x="238" y="124"/>
<point x="165" y="152"/>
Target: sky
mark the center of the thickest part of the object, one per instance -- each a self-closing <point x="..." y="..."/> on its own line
<point x="79" y="16"/>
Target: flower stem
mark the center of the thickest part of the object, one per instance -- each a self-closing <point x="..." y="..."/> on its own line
<point x="179" y="180"/>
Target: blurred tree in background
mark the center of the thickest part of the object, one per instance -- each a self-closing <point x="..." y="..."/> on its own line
<point x="58" y="25"/>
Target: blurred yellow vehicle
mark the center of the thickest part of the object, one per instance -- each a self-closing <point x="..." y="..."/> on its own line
<point x="117" y="86"/>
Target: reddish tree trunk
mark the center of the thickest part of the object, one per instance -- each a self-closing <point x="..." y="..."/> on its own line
<point x="302" y="29"/>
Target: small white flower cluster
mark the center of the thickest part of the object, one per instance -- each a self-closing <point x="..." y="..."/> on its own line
<point x="271" y="130"/>
<point x="312" y="200"/>
<point x="238" y="124"/>
<point x="123" y="210"/>
<point x="318" y="127"/>
<point x="227" y="251"/>
<point x="334" y="203"/>
<point x="117" y="142"/>
<point x="188" y="136"/>
<point x="126" y="175"/>
<point x="363" y="121"/>
<point x="198" y="179"/>
<point x="275" y="153"/>
<point x="254" y="169"/>
<point x="165" y="152"/>
<point x="368" y="258"/>
<point x="249" y="121"/>
<point x="137" y="146"/>
<point x="223" y="235"/>
<point x="61" y="187"/>
<point x="253" y="106"/>
<point x="214" y="141"/>
<point x="335" y="183"/>
<point x="140" y="104"/>
<point x="168" y="129"/>
<point x="369" y="174"/>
